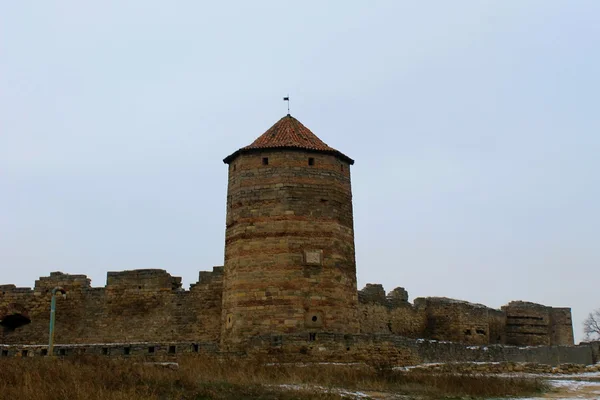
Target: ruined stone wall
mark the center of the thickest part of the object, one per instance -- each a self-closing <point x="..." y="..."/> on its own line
<point x="435" y="318"/>
<point x="289" y="252"/>
<point x="150" y="306"/>
<point x="438" y="318"/>
<point x="497" y="326"/>
<point x="135" y="306"/>
<point x="455" y="320"/>
<point x="530" y="324"/>
<point x="561" y="326"/>
<point x="379" y="314"/>
<point x="527" y="324"/>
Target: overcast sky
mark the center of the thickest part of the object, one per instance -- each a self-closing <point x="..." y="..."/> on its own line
<point x="475" y="127"/>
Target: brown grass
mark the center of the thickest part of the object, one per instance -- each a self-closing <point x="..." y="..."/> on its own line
<point x="90" y="378"/>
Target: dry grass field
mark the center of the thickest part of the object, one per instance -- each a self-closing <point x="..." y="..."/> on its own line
<point x="91" y="378"/>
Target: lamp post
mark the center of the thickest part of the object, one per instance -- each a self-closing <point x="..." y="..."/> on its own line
<point x="53" y="316"/>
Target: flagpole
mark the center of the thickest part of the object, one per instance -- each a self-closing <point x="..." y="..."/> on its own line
<point x="287" y="98"/>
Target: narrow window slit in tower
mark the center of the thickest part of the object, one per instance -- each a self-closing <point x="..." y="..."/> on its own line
<point x="4" y="353"/>
<point x="172" y="349"/>
<point x="105" y="351"/>
<point x="195" y="347"/>
<point x="62" y="352"/>
<point x="276" y="340"/>
<point x="24" y="353"/>
<point x="151" y="349"/>
<point x="311" y="161"/>
<point x="312" y="337"/>
<point x="126" y="351"/>
<point x="265" y="161"/>
<point x="44" y="352"/>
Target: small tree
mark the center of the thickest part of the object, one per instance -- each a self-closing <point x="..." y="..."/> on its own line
<point x="591" y="325"/>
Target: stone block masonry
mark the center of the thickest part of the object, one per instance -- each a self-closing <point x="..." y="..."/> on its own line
<point x="150" y="306"/>
<point x="444" y="319"/>
<point x="534" y="324"/>
<point x="289" y="254"/>
<point x="379" y="350"/>
<point x="134" y="306"/>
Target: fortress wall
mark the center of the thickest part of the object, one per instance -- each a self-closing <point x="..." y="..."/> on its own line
<point x="497" y="326"/>
<point x="383" y="350"/>
<point x="432" y="317"/>
<point x="433" y="352"/>
<point x="408" y="321"/>
<point x="531" y="324"/>
<point x="373" y="313"/>
<point x="142" y="305"/>
<point x="374" y="318"/>
<point x="455" y="320"/>
<point x="153" y="350"/>
<point x="595" y="345"/>
<point x="393" y="313"/>
<point x="150" y="306"/>
<point x="561" y="326"/>
<point x="527" y="324"/>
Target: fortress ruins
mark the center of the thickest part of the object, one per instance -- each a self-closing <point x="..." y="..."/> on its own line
<point x="287" y="288"/>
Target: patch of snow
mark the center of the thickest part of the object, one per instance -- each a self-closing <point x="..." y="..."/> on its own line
<point x="571" y="384"/>
<point x="343" y="392"/>
<point x="300" y="364"/>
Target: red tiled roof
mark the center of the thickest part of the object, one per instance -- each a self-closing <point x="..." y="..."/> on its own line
<point x="288" y="133"/>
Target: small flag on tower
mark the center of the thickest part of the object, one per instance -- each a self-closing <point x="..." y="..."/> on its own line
<point x="287" y="98"/>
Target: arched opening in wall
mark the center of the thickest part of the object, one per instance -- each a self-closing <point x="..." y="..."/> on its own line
<point x="13" y="321"/>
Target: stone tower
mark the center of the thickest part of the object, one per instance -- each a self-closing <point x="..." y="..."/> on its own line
<point x="289" y="241"/>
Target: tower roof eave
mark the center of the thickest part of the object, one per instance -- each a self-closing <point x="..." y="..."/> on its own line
<point x="288" y="134"/>
<point x="338" y="154"/>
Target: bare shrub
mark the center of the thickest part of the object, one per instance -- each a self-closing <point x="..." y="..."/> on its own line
<point x="591" y="325"/>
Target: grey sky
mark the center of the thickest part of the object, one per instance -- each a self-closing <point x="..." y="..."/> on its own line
<point x="474" y="126"/>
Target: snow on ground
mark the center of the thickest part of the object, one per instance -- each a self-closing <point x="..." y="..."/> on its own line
<point x="558" y="377"/>
<point x="568" y="389"/>
<point x="342" y="392"/>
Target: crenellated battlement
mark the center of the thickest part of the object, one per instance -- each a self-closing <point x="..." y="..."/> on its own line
<point x="135" y="305"/>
